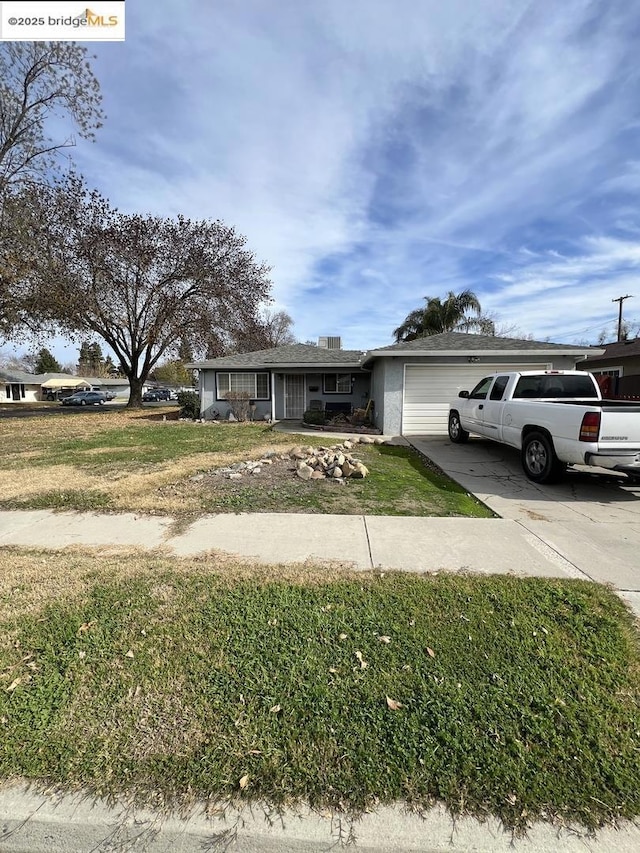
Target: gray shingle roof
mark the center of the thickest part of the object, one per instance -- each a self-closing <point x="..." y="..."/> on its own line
<point x="463" y="342"/>
<point x="303" y="355"/>
<point x="293" y="355"/>
<point x="460" y="342"/>
<point x="616" y="351"/>
<point x="18" y="376"/>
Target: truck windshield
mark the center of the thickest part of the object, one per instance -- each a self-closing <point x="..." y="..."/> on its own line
<point x="555" y="386"/>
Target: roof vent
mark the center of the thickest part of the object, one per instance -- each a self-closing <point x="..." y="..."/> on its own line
<point x="327" y="342"/>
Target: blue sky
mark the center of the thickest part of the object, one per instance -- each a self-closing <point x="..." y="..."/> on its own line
<point x="375" y="153"/>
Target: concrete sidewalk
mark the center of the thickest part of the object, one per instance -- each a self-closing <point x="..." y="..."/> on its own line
<point x="365" y="542"/>
<point x="417" y="544"/>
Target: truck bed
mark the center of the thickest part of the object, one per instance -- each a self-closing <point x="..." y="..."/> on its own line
<point x="631" y="405"/>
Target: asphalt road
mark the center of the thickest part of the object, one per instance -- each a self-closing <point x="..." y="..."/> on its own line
<point x="26" y="410"/>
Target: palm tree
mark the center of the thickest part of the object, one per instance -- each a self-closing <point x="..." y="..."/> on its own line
<point x="458" y="312"/>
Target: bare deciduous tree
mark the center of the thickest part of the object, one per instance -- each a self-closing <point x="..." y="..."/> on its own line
<point x="39" y="81"/>
<point x="271" y="329"/>
<point x="147" y="286"/>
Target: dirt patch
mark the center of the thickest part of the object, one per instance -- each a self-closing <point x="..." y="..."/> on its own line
<point x="264" y="489"/>
<point x="280" y="472"/>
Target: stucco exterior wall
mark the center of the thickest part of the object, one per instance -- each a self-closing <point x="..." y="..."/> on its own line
<point x="377" y="392"/>
<point x="387" y="394"/>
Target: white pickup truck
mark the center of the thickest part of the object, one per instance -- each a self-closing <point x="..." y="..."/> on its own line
<point x="555" y="418"/>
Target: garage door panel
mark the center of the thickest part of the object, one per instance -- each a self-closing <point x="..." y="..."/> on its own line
<point x="428" y="392"/>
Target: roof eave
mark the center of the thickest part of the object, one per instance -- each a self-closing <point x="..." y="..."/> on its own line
<point x="478" y="352"/>
<point x="203" y="365"/>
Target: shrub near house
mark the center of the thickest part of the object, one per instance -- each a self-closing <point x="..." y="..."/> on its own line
<point x="189" y="403"/>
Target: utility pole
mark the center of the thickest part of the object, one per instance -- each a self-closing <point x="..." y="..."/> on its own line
<point x="621" y="299"/>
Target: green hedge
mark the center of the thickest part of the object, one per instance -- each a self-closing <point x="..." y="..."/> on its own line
<point x="189" y="403"/>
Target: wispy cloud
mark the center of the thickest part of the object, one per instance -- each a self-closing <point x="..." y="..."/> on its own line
<point x="375" y="153"/>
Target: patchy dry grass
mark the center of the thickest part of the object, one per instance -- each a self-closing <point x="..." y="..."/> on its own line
<point x="117" y="460"/>
<point x="134" y="461"/>
<point x="31" y="578"/>
<point x="173" y="680"/>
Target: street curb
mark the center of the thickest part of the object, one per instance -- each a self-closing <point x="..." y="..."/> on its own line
<point x="38" y="823"/>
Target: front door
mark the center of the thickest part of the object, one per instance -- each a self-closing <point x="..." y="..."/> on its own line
<point x="293" y="395"/>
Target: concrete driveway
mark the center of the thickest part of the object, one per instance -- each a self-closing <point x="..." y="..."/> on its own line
<point x="591" y="520"/>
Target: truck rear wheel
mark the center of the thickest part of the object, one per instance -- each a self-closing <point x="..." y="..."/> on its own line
<point x="539" y="459"/>
<point x="456" y="433"/>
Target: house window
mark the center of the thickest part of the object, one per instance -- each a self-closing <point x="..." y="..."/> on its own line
<point x="337" y="383"/>
<point x="256" y="385"/>
<point x="616" y="372"/>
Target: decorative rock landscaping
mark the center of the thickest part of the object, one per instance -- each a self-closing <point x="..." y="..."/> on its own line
<point x="311" y="463"/>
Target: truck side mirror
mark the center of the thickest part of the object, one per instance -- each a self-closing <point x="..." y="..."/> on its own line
<point x="463" y="394"/>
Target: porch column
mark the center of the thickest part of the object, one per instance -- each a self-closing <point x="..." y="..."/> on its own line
<point x="273" y="396"/>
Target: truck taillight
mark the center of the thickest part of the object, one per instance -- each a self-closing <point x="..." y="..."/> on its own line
<point x="590" y="427"/>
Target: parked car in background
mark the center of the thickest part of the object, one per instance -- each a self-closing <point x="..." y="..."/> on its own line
<point x="153" y="395"/>
<point x="57" y="394"/>
<point x="85" y="398"/>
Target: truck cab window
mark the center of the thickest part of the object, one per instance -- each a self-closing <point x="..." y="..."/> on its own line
<point x="481" y="389"/>
<point x="498" y="388"/>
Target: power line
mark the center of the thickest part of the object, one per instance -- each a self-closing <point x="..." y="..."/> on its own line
<point x="603" y="324"/>
<point x="600" y="325"/>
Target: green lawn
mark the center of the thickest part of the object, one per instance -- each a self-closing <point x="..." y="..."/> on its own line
<point x="133" y="461"/>
<point x="399" y="483"/>
<point x="517" y="698"/>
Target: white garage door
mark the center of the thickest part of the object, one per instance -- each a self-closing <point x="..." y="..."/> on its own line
<point x="428" y="391"/>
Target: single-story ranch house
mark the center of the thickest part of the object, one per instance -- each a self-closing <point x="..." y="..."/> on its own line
<point x="410" y="384"/>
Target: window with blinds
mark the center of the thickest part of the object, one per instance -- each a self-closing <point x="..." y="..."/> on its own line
<point x="256" y="385"/>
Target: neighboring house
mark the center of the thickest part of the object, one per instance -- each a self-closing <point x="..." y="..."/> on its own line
<point x="411" y="384"/>
<point x="20" y="387"/>
<point x="617" y="367"/>
<point x="119" y="387"/>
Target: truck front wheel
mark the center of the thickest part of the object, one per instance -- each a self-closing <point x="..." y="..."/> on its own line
<point x="539" y="459"/>
<point x="456" y="433"/>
